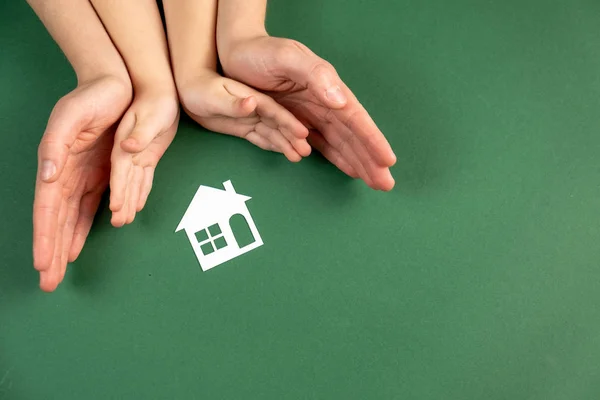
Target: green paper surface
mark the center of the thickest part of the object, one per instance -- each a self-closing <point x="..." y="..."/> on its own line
<point x="476" y="278"/>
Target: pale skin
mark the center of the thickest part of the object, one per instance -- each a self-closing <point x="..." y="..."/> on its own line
<point x="221" y="104"/>
<point x="74" y="153"/>
<point x="308" y="86"/>
<point x="149" y="125"/>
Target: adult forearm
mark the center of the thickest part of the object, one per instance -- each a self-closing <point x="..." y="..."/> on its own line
<point x="239" y="20"/>
<point x="81" y="36"/>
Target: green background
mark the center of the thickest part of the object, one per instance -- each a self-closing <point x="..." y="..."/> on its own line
<point x="477" y="277"/>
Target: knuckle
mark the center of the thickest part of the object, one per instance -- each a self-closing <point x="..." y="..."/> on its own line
<point x="321" y="74"/>
<point x="322" y="69"/>
<point x="287" y="52"/>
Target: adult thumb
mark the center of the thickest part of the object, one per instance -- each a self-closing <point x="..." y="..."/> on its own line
<point x="306" y="68"/>
<point x="64" y="125"/>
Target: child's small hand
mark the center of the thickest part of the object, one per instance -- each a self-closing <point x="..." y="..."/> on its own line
<point x="226" y="106"/>
<point x="146" y="130"/>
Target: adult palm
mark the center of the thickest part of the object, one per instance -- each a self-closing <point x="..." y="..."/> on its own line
<point x="309" y="87"/>
<point x="73" y="172"/>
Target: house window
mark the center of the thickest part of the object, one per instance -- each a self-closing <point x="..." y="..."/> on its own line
<point x="211" y="239"/>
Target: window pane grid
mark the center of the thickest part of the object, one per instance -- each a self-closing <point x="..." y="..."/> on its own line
<point x="211" y="239"/>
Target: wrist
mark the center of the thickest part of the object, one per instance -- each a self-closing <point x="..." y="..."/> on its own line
<point x="154" y="84"/>
<point x="185" y="80"/>
<point x="231" y="36"/>
<point x="161" y="89"/>
<point x="87" y="72"/>
<point x="116" y="76"/>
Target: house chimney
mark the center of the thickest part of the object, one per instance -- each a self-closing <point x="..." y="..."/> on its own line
<point x="228" y="187"/>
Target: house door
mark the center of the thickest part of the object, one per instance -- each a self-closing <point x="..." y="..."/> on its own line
<point x="241" y="230"/>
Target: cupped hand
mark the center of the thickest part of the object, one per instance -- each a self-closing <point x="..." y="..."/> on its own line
<point x="144" y="134"/>
<point x="309" y="87"/>
<point x="226" y="106"/>
<point x="73" y="172"/>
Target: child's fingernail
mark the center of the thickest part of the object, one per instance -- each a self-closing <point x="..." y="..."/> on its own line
<point x="335" y="94"/>
<point x="48" y="169"/>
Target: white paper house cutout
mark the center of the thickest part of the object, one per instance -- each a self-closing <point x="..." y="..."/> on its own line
<point x="207" y="225"/>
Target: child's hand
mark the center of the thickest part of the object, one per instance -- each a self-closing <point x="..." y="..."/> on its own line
<point x="226" y="106"/>
<point x="73" y="172"/>
<point x="143" y="135"/>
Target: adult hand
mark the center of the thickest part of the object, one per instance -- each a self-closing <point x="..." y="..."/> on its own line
<point x="73" y="172"/>
<point x="309" y="87"/>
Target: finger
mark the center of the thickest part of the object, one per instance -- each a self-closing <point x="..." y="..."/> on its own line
<point x="318" y="142"/>
<point x="142" y="133"/>
<point x="119" y="217"/>
<point x="275" y="115"/>
<point x="146" y="187"/>
<point x="338" y="135"/>
<point x="300" y="145"/>
<point x="66" y="120"/>
<point x="134" y="196"/>
<point x="120" y="165"/>
<point x="279" y="118"/>
<point x="46" y="207"/>
<point x="260" y="141"/>
<point x="68" y="231"/>
<point x="343" y="146"/>
<point x="279" y="141"/>
<point x="87" y="210"/>
<point x="361" y="125"/>
<point x="51" y="278"/>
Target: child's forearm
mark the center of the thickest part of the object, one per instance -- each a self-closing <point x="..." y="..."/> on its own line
<point x="191" y="26"/>
<point x="239" y="20"/>
<point x="136" y="29"/>
<point x="79" y="33"/>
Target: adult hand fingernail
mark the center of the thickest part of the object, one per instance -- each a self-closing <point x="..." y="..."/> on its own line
<point x="48" y="169"/>
<point x="335" y="94"/>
